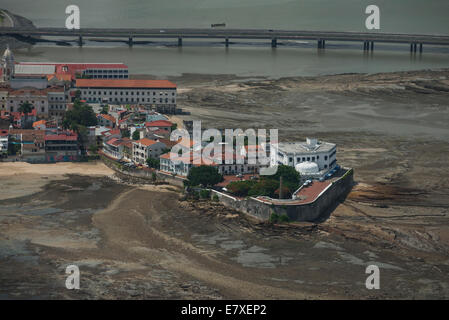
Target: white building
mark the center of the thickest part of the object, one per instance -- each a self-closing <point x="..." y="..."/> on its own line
<point x="146" y="148"/>
<point x="160" y="94"/>
<point x="4" y="137"/>
<point x="312" y="150"/>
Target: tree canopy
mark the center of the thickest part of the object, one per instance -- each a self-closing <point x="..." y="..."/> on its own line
<point x="26" y="107"/>
<point x="81" y="115"/>
<point x="136" y="135"/>
<point x="153" y="163"/>
<point x="204" y="175"/>
<point x="268" y="185"/>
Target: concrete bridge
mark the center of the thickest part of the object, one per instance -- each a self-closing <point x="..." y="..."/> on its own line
<point x="273" y="36"/>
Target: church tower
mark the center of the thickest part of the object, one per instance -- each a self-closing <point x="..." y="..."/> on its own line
<point x="7" y="65"/>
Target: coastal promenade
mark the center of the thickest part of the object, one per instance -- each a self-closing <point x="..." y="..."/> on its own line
<point x="416" y="41"/>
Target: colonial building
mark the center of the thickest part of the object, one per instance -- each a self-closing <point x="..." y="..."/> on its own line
<point x="323" y="154"/>
<point x="71" y="71"/>
<point x="146" y="148"/>
<point x="48" y="99"/>
<point x="160" y="94"/>
<point x="106" y="120"/>
<point x="61" y="146"/>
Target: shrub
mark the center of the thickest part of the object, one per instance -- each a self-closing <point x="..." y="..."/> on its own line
<point x="215" y="198"/>
<point x="284" y="218"/>
<point x="204" y="175"/>
<point x="205" y="194"/>
<point x="274" y="217"/>
<point x="240" y="188"/>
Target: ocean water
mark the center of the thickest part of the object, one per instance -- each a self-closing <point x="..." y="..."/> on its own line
<point x="243" y="58"/>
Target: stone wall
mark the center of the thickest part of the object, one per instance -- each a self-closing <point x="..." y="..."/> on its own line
<point x="316" y="211"/>
<point x="142" y="176"/>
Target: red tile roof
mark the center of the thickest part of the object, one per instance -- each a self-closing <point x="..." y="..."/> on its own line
<point x="107" y="117"/>
<point x="146" y="142"/>
<point x="159" y="123"/>
<point x="74" y="68"/>
<point x="38" y="123"/>
<point x="57" y="137"/>
<point x="124" y="83"/>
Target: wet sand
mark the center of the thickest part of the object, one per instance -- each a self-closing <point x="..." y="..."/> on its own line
<point x="136" y="242"/>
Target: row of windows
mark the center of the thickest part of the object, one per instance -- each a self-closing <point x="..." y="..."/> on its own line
<point x="105" y="71"/>
<point x="299" y="159"/>
<point x="126" y="93"/>
<point x="56" y="98"/>
<point x="57" y="106"/>
<point x="32" y="102"/>
<point x="132" y="100"/>
<point x="109" y="76"/>
<point x="62" y="148"/>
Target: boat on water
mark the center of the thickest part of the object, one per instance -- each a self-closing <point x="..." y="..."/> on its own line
<point x="215" y="25"/>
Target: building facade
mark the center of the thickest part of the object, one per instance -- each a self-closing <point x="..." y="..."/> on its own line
<point x="154" y="93"/>
<point x="324" y="154"/>
<point x="146" y="148"/>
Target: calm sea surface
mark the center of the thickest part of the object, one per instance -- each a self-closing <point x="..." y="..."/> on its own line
<point x="243" y="58"/>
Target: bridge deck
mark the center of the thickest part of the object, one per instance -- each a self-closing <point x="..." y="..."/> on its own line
<point x="231" y="34"/>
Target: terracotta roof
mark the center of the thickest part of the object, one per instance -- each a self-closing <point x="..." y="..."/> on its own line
<point x="189" y="159"/>
<point x="107" y="117"/>
<point x="38" y="123"/>
<point x="74" y="68"/>
<point x="58" y="137"/>
<point x="159" y="123"/>
<point x="124" y="83"/>
<point x="146" y="142"/>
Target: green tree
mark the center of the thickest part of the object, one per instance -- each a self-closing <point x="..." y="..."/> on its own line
<point x="265" y="187"/>
<point x="93" y="149"/>
<point x="289" y="174"/>
<point x="26" y="108"/>
<point x="240" y="188"/>
<point x="126" y="134"/>
<point x="153" y="163"/>
<point x="81" y="115"/>
<point x="136" y="135"/>
<point x="204" y="175"/>
<point x="104" y="109"/>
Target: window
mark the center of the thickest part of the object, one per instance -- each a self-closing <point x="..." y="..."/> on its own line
<point x="325" y="157"/>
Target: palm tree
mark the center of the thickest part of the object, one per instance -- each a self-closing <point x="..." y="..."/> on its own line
<point x="26" y="108"/>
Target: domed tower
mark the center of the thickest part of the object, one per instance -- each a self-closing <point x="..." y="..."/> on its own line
<point x="7" y="64"/>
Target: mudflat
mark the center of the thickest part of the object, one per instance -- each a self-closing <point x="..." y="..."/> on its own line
<point x="143" y="242"/>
